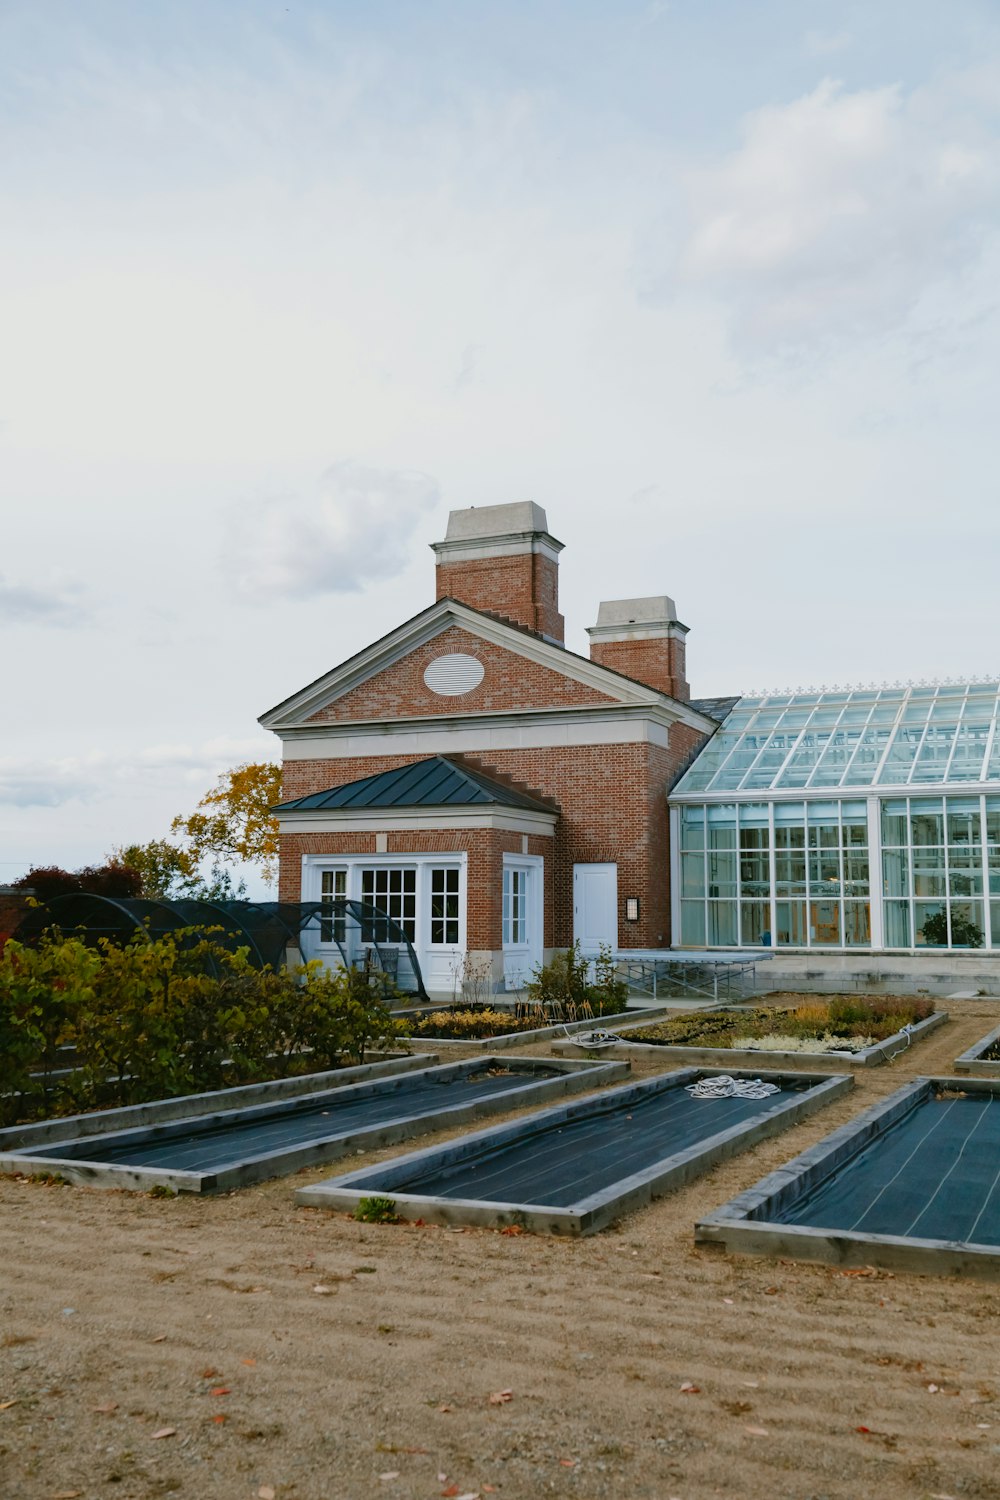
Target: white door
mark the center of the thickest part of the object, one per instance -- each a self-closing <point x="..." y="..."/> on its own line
<point x="595" y="907"/>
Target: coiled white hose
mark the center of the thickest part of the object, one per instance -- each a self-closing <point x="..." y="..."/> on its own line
<point x="724" y="1087"/>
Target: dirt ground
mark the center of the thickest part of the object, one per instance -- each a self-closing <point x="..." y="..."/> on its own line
<point x="240" y="1347"/>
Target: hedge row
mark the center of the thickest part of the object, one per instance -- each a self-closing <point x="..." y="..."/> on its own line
<point x="178" y="1015"/>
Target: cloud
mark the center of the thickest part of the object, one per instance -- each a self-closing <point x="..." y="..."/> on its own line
<point x="837" y="213"/>
<point x="358" y="526"/>
<point x="60" y="606"/>
<point x="99" y="774"/>
<point x="44" y="784"/>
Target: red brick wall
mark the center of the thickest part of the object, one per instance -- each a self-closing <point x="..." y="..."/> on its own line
<point x="613" y="808"/>
<point x="485" y="848"/>
<point x="510" y="682"/>
<point x="525" y="588"/>
<point x="658" y="663"/>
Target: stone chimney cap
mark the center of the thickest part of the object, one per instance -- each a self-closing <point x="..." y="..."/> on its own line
<point x="636" y="619"/>
<point x="481" y="521"/>
<point x="658" y="610"/>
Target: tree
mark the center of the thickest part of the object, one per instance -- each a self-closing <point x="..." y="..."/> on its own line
<point x="233" y="820"/>
<point x="162" y="867"/>
<point x="114" y="878"/>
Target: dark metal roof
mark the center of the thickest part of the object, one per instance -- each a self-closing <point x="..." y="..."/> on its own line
<point x="716" y="708"/>
<point x="435" y="782"/>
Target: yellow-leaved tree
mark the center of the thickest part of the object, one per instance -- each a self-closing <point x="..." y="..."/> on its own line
<point x="233" y="820"/>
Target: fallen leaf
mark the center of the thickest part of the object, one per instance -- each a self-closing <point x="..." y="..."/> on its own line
<point x="567" y="1463"/>
<point x="442" y="1478"/>
<point x="757" y="1431"/>
<point x="690" y="1389"/>
<point x="770" y="1291"/>
<point x="248" y="1361"/>
<point x="498" y="1398"/>
<point x="108" y="1406"/>
<point x="66" y="1494"/>
<point x="512" y="1229"/>
<point x="445" y="1407"/>
<point x="165" y="1432"/>
<point x="220" y="1390"/>
<point x="6" y="1405"/>
<point x="933" y="1389"/>
<point x="862" y="1429"/>
<point x="451" y="1491"/>
<point x="729" y="1301"/>
<point x="489" y="1489"/>
<point x="389" y="1474"/>
<point x="220" y="1417"/>
<point x="323" y="1291"/>
<point x="160" y="1339"/>
<point x="753" y="1384"/>
<point x="266" y="1492"/>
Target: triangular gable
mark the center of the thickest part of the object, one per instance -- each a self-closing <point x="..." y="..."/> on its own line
<point x="522" y="672"/>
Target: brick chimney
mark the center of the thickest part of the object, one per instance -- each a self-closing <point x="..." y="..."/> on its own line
<point x="642" y="639"/>
<point x="502" y="559"/>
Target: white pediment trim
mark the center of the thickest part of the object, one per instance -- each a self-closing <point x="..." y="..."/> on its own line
<point x="295" y="712"/>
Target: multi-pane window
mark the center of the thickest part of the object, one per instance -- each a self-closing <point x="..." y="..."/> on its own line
<point x="515" y="907"/>
<point x="444" y="906"/>
<point x="935" y="867"/>
<point x="333" y="887"/>
<point x="392" y="888"/>
<point x="820" y="875"/>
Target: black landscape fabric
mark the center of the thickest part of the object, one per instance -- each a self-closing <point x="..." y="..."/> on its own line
<point x="215" y="1146"/>
<point x="562" y="1163"/>
<point x="933" y="1175"/>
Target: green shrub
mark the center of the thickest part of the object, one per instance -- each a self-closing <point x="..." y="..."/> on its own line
<point x="564" y="989"/>
<point x="180" y="1014"/>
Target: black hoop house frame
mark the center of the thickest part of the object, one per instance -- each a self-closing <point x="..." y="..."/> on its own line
<point x="263" y="928"/>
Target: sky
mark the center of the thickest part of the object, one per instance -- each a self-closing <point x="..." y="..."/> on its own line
<point x="282" y="284"/>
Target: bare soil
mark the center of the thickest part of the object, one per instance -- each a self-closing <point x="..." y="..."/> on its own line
<point x="239" y="1347"/>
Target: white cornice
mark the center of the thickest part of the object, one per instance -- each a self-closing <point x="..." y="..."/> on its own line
<point x="294" y="712"/>
<point x="417" y="820"/>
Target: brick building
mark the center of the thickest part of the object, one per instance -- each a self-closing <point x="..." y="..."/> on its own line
<point x="497" y="794"/>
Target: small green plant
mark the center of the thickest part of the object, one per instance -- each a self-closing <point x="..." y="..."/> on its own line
<point x="161" y="1190"/>
<point x="567" y="989"/>
<point x="376" y="1211"/>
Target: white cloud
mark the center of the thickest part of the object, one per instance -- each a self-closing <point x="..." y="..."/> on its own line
<point x="358" y="526"/>
<point x="100" y="774"/>
<point x="838" y="212"/>
<point x="61" y="605"/>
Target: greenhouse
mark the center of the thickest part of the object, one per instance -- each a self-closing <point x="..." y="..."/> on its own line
<point x="855" y="819"/>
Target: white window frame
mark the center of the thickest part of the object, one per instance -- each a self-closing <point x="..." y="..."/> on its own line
<point x="519" y="959"/>
<point x="313" y="866"/>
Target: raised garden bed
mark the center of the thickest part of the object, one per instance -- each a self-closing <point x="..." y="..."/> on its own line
<point x="486" y="1027"/>
<point x="842" y="1030"/>
<point x="912" y="1184"/>
<point x="574" y="1168"/>
<point x="227" y="1143"/>
<point x="983" y="1058"/>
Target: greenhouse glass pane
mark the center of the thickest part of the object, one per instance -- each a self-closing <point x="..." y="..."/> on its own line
<point x="791" y="924"/>
<point x="995" y="922"/>
<point x="693" y="827"/>
<point x="756" y="924"/>
<point x="693" y="874"/>
<point x="824" y="923"/>
<point x="897" y="924"/>
<point x="895" y="824"/>
<point x="722" y="924"/>
<point x="993" y="820"/>
<point x="967" y="924"/>
<point x="926" y="823"/>
<point x="930" y="924"/>
<point x="895" y="869"/>
<point x="857" y="924"/>
<point x="963" y="820"/>
<point x="693" y="923"/>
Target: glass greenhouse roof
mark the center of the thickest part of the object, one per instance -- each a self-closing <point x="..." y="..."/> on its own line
<point x="919" y="735"/>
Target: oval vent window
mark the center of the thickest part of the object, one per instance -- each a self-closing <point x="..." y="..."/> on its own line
<point x="455" y="674"/>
